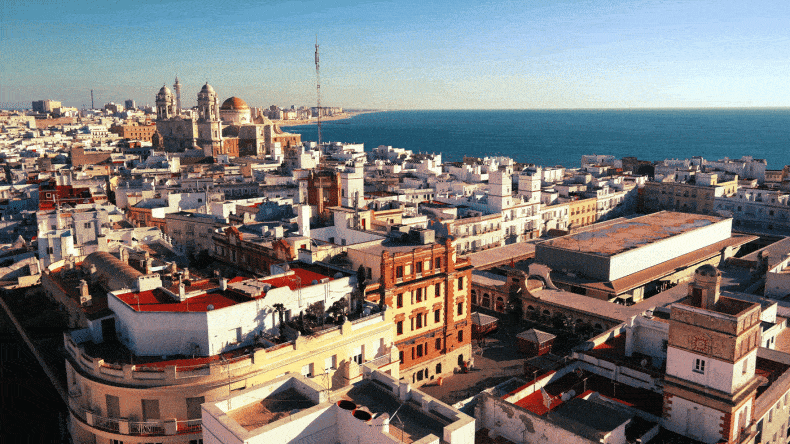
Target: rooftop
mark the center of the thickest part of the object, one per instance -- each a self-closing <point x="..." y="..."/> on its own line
<point x="205" y="293"/>
<point x="617" y="238"/>
<point x="271" y="408"/>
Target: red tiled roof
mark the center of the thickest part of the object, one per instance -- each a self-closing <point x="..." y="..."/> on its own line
<point x="299" y="279"/>
<point x="158" y="300"/>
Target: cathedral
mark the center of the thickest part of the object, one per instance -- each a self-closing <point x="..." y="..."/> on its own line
<point x="230" y="129"/>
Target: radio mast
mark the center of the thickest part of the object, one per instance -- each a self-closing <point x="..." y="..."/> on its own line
<point x="92" y="100"/>
<point x="318" y="90"/>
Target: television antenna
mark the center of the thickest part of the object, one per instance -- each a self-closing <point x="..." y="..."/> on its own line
<point x="318" y="90"/>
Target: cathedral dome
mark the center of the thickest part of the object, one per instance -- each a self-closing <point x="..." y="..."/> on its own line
<point x="207" y="89"/>
<point x="235" y="111"/>
<point x="234" y="103"/>
<point x="165" y="90"/>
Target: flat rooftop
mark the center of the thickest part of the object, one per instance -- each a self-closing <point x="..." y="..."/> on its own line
<point x="410" y="425"/>
<point x="271" y="408"/>
<point x="626" y="235"/>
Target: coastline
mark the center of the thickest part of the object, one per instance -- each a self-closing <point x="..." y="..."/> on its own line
<point x="342" y="116"/>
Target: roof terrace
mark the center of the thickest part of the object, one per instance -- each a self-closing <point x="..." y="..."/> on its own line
<point x="295" y="409"/>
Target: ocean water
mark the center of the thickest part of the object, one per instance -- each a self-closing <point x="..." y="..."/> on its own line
<point x="561" y="137"/>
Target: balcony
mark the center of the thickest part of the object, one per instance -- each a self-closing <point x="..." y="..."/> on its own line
<point x="123" y="426"/>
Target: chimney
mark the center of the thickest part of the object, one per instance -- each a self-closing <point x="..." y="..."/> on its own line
<point x="186" y="274"/>
<point x="223" y="283"/>
<point x="124" y="255"/>
<point x="181" y="292"/>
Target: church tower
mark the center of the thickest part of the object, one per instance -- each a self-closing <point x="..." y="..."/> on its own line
<point x="209" y="126"/>
<point x="208" y="104"/>
<point x="710" y="383"/>
<point x="165" y="104"/>
<point x="177" y="89"/>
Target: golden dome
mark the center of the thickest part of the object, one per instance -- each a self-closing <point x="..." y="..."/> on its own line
<point x="234" y="103"/>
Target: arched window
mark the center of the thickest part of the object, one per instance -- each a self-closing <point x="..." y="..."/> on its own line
<point x="474" y="297"/>
<point x="486" y="300"/>
<point x="500" y="304"/>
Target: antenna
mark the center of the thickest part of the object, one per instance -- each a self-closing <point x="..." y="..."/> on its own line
<point x="92" y="107"/>
<point x="318" y="90"/>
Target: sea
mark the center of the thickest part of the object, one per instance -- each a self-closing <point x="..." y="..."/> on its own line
<point x="561" y="137"/>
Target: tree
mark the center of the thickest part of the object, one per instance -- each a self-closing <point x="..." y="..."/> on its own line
<point x="338" y="308"/>
<point x="359" y="296"/>
<point x="280" y="309"/>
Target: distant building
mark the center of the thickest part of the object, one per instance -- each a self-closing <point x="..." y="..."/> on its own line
<point x="215" y="126"/>
<point x="46" y="106"/>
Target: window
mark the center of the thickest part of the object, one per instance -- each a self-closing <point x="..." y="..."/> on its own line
<point x="399" y="272"/>
<point x="419" y="350"/>
<point x="418" y="266"/>
<point x="400" y="327"/>
<point x="193" y="407"/>
<point x="150" y="409"/>
<point x="437" y="289"/>
<point x="438" y="262"/>
<point x="419" y="321"/>
<point x="87" y="224"/>
<point x="400" y="300"/>
<point x="460" y="308"/>
<point x="307" y="370"/>
<point x="437" y="316"/>
<point x="400" y="356"/>
<point x="699" y="365"/>
<point x="460" y="336"/>
<point x="330" y="363"/>
<point x="461" y="283"/>
<point x="419" y="295"/>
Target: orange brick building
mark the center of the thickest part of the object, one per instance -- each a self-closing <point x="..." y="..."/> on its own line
<point x="323" y="190"/>
<point x="134" y="132"/>
<point x="429" y="290"/>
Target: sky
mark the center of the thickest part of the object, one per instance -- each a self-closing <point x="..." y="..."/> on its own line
<point x="525" y="54"/>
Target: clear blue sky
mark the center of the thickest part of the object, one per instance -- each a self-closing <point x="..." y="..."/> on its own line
<point x="402" y="54"/>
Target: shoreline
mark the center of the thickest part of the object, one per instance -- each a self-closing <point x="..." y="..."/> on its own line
<point x="343" y="116"/>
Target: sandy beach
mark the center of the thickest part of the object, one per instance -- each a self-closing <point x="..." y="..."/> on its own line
<point x="342" y="116"/>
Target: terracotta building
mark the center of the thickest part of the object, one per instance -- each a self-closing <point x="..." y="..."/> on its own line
<point x="428" y="288"/>
<point x="136" y="132"/>
<point x="323" y="190"/>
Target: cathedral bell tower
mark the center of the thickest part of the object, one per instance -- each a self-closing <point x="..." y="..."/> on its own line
<point x="208" y="104"/>
<point x="209" y="127"/>
<point x="165" y="104"/>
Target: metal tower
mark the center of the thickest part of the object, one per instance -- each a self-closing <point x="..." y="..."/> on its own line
<point x="92" y="100"/>
<point x="318" y="90"/>
<point x="177" y="88"/>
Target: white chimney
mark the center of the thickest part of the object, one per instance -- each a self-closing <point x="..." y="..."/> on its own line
<point x="223" y="283"/>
